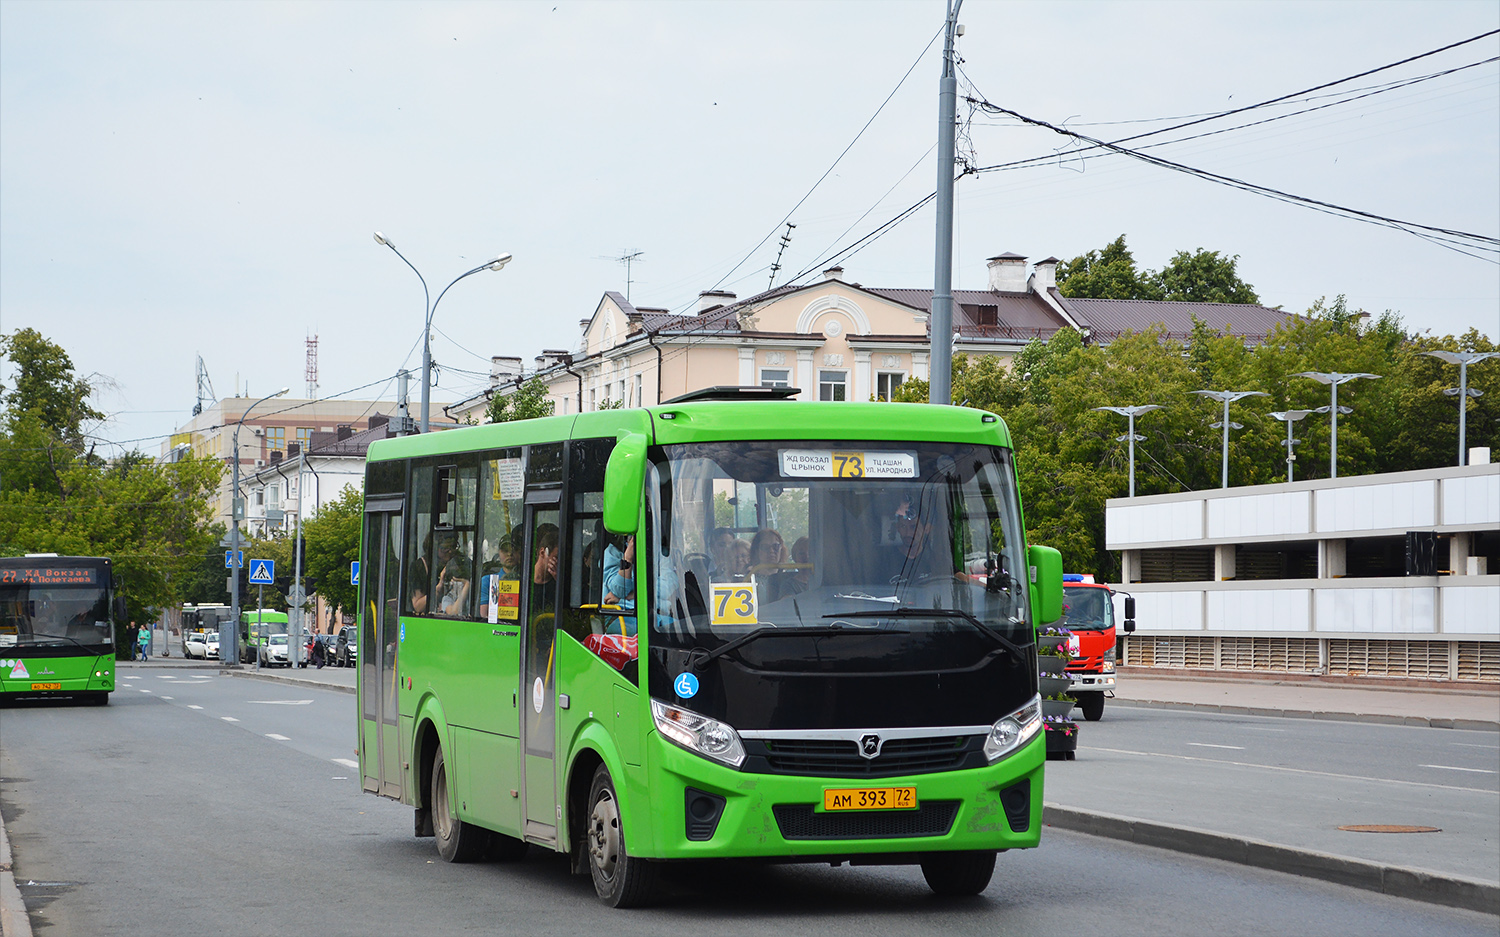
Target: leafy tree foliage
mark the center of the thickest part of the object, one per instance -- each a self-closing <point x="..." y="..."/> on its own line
<point x="56" y="497"/>
<point x="1070" y="462"/>
<point x="332" y="543"/>
<point x="527" y="403"/>
<point x="1202" y="276"/>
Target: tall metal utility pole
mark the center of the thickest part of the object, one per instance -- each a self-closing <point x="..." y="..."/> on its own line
<point x="1228" y="397"/>
<point x="1130" y="413"/>
<point x="1333" y="379"/>
<point x="229" y="647"/>
<point x="940" y="334"/>
<point x="1463" y="359"/>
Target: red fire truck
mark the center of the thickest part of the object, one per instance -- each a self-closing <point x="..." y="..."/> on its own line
<point x="1088" y="612"/>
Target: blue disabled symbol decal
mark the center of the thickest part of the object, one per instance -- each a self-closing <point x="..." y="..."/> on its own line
<point x="686" y="686"/>
<point x="403" y="633"/>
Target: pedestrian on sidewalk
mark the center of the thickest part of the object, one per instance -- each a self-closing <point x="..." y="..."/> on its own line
<point x="145" y="642"/>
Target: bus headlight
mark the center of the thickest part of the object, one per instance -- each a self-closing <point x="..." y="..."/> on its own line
<point x="1013" y="731"/>
<point x="699" y="734"/>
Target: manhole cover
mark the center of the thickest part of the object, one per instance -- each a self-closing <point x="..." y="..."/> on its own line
<point x="1388" y="828"/>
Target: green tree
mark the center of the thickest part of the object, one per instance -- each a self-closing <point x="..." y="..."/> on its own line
<point x="1203" y="277"/>
<point x="1106" y="274"/>
<point x="528" y="402"/>
<point x="332" y="543"/>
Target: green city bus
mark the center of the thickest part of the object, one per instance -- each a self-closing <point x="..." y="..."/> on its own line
<point x="57" y="627"/>
<point x="729" y="626"/>
<point x="255" y="627"/>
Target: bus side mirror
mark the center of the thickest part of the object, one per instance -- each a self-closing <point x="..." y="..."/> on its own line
<point x="1045" y="567"/>
<point x="624" y="481"/>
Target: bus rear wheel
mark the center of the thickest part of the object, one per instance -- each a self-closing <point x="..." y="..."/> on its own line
<point x="1091" y="705"/>
<point x="457" y="841"/>
<point x="957" y="874"/>
<point x="620" y="879"/>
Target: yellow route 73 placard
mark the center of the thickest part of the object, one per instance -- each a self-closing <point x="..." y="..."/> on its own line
<point x="734" y="603"/>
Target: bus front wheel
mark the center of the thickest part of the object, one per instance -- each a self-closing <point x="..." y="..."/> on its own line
<point x="958" y="873"/>
<point x="457" y="841"/>
<point x="620" y="879"/>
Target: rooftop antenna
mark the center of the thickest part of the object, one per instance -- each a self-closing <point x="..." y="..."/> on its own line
<point x="312" y="368"/>
<point x="785" y="240"/>
<point x="627" y="257"/>
<point x="205" y="388"/>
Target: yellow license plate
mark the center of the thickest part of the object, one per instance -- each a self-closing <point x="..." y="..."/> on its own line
<point x="870" y="798"/>
<point x="46" y="686"/>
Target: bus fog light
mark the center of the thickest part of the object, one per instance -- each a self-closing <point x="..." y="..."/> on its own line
<point x="697" y="733"/>
<point x="1109" y="666"/>
<point x="1014" y="730"/>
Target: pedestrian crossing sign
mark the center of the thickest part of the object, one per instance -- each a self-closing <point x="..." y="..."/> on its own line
<point x="262" y="572"/>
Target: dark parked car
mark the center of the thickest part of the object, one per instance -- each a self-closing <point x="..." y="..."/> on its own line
<point x="346" y="648"/>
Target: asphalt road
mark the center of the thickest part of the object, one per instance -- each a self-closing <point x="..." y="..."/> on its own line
<point x="1296" y="781"/>
<point x="156" y="816"/>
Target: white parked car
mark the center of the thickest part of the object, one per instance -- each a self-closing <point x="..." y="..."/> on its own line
<point x="274" y="652"/>
<point x="211" y="645"/>
<point x="195" y="646"/>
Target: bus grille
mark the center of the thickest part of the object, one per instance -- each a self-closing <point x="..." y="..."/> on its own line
<point x="801" y="821"/>
<point x="840" y="758"/>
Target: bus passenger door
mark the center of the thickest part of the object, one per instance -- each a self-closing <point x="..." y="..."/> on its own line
<point x="379" y="717"/>
<point x="538" y="669"/>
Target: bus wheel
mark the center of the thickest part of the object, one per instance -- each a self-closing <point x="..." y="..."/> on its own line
<point x="621" y="880"/>
<point x="457" y="841"/>
<point x="99" y="699"/>
<point x="958" y="873"/>
<point x="1091" y="705"/>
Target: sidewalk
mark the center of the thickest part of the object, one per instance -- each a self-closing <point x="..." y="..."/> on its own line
<point x="1463" y="706"/>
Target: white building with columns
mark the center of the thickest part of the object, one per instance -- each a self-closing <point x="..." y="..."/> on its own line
<point x="1394" y="575"/>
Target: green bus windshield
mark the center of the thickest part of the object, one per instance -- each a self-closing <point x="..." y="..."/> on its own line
<point x="50" y="604"/>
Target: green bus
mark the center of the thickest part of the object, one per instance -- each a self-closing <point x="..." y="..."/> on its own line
<point x="729" y="626"/>
<point x="57" y="627"/>
<point x="255" y="627"/>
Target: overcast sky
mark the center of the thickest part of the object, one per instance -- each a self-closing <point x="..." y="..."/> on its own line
<point x="188" y="179"/>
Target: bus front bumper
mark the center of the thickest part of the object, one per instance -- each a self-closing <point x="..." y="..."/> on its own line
<point x="700" y="809"/>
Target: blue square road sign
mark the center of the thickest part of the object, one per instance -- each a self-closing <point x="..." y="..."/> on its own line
<point x="262" y="572"/>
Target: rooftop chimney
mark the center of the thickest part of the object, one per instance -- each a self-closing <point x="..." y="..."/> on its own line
<point x="504" y="369"/>
<point x="834" y="273"/>
<point x="1044" y="275"/>
<point x="345" y="431"/>
<point x="708" y="299"/>
<point x="1008" y="273"/>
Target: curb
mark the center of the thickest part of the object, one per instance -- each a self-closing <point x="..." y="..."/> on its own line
<point x="1483" y="725"/>
<point x="14" y="921"/>
<point x="1454" y="891"/>
<point x="288" y="678"/>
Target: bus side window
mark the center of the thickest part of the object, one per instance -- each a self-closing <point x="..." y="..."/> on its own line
<point x="501" y="539"/>
<point x="418" y="586"/>
<point x="452" y="555"/>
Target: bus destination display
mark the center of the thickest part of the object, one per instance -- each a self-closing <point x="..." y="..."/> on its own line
<point x="50" y="576"/>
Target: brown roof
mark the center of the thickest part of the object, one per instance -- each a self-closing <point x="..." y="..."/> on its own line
<point x="1110" y="317"/>
<point x="1016" y="315"/>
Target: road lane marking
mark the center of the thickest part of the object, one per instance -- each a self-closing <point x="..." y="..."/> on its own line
<point x="1321" y="774"/>
<point x="280" y="702"/>
<point x="169" y="697"/>
<point x="1472" y="745"/>
<point x="279" y="738"/>
<point x="1238" y="748"/>
<point x="1453" y="768"/>
<point x="229" y="719"/>
<point x="345" y="762"/>
<point x="145" y="691"/>
<point x="191" y="706"/>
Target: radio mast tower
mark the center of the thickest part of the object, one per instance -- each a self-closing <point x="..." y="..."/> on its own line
<point x="312" y="368"/>
<point x="205" y="388"/>
<point x="627" y="258"/>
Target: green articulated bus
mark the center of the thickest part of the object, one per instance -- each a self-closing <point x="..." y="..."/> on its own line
<point x="728" y="626"/>
<point x="57" y="627"/>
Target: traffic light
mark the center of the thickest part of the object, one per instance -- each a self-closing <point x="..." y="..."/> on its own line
<point x="309" y="584"/>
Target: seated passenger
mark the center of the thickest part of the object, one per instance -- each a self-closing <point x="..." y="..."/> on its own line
<point x="619" y="582"/>
<point x="768" y="561"/>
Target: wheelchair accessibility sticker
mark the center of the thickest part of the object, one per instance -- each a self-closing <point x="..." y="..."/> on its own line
<point x="686" y="686"/>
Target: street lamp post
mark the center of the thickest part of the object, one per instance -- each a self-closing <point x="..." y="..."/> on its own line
<point x="229" y="647"/>
<point x="1290" y="417"/>
<point x="1333" y="379"/>
<point x="1463" y="359"/>
<point x="431" y="306"/>
<point x="1130" y="413"/>
<point x="1228" y="396"/>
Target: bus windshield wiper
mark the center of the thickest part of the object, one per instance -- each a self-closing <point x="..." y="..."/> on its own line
<point x="698" y="657"/>
<point x="904" y="612"/>
<point x="55" y="637"/>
